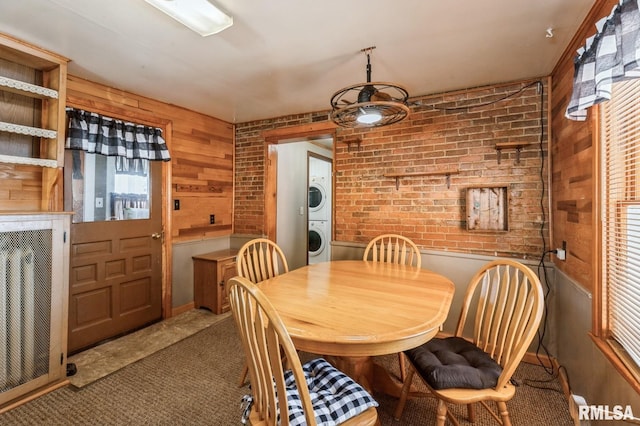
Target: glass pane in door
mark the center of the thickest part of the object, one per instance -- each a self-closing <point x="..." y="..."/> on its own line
<point x="107" y="188"/>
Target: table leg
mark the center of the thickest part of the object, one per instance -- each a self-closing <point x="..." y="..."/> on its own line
<point x="372" y="376"/>
<point x="359" y="369"/>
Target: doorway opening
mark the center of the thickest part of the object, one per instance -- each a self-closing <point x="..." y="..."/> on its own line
<point x="287" y="188"/>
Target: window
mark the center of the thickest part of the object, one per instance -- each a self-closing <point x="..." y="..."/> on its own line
<point x="107" y="188"/>
<point x="620" y="195"/>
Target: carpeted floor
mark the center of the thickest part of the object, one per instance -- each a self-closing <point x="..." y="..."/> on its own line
<point x="193" y="382"/>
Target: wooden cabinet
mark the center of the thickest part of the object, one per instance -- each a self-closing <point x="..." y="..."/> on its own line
<point x="211" y="271"/>
<point x="32" y="116"/>
<point x="34" y="260"/>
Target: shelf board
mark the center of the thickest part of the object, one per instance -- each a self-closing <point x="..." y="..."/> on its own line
<point x="26" y="130"/>
<point x="511" y="145"/>
<point x="21" y="88"/>
<point x="42" y="162"/>
<point x="446" y="173"/>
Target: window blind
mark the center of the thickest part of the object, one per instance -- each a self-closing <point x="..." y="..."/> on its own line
<point x="620" y="126"/>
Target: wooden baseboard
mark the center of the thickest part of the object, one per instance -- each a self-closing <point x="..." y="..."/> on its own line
<point x="33" y="395"/>
<point x="182" y="309"/>
<point x="532" y="358"/>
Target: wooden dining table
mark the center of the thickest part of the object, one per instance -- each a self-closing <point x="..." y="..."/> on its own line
<point x="352" y="310"/>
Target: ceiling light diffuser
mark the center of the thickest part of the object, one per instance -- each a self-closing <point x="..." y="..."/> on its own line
<point x="199" y="15"/>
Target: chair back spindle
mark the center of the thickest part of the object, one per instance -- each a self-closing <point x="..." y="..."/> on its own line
<point x="260" y="259"/>
<point x="393" y="248"/>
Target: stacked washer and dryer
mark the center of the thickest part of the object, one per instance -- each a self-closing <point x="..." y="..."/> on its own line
<point x="319" y="210"/>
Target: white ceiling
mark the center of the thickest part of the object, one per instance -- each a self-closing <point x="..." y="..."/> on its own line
<point x="289" y="56"/>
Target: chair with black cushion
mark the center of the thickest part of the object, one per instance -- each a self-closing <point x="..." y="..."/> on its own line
<point x="257" y="260"/>
<point x="394" y="248"/>
<point x="315" y="393"/>
<point x="501" y="313"/>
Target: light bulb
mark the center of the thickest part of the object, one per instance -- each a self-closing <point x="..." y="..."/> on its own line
<point x="369" y="116"/>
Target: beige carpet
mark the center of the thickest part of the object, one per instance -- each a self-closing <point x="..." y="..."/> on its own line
<point x="194" y="382"/>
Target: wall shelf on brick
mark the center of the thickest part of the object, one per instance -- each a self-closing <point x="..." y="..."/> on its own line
<point x="355" y="142"/>
<point x="446" y="173"/>
<point x="510" y="145"/>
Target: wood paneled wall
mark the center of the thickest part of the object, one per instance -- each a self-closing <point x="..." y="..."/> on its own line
<point x="572" y="165"/>
<point x="201" y="156"/>
<point x="20" y="187"/>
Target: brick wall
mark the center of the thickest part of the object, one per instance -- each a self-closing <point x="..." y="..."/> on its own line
<point x="431" y="139"/>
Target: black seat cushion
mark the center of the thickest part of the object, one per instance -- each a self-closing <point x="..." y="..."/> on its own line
<point x="454" y="362"/>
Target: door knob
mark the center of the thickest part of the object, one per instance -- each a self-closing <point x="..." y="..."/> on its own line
<point x="156" y="235"/>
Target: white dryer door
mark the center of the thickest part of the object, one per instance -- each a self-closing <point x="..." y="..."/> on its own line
<point x="317" y="197"/>
<point x="316" y="242"/>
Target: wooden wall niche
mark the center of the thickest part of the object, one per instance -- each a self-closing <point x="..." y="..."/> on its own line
<point x="488" y="208"/>
<point x="32" y="119"/>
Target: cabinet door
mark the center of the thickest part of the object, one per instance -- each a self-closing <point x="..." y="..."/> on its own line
<point x="227" y="271"/>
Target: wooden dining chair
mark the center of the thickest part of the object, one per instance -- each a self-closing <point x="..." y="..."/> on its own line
<point x="260" y="259"/>
<point x="501" y="311"/>
<point x="282" y="394"/>
<point x="394" y="248"/>
<point x="257" y="260"/>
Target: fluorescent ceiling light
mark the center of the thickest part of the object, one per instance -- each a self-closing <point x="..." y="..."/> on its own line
<point x="199" y="15"/>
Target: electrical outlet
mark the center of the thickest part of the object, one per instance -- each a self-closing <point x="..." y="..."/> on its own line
<point x="212" y="219"/>
<point x="561" y="253"/>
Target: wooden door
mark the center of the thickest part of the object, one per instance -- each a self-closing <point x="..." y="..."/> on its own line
<point x="116" y="274"/>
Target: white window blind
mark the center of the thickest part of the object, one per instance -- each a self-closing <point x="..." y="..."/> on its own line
<point x="621" y="215"/>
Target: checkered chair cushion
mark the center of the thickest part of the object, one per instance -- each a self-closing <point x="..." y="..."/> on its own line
<point x="335" y="396"/>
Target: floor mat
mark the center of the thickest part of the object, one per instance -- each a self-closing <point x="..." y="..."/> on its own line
<point x="111" y="356"/>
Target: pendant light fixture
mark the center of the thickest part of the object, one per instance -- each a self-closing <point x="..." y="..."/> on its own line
<point x="372" y="104"/>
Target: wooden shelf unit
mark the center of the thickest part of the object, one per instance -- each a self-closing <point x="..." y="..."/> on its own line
<point x="22" y="65"/>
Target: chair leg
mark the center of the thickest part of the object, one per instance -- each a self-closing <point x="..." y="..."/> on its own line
<point x="404" y="394"/>
<point x="441" y="416"/>
<point x="243" y="375"/>
<point x="504" y="413"/>
<point x="401" y="363"/>
<point x="471" y="413"/>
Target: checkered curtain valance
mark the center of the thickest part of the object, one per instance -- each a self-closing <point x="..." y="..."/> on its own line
<point x="98" y="134"/>
<point x="611" y="55"/>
